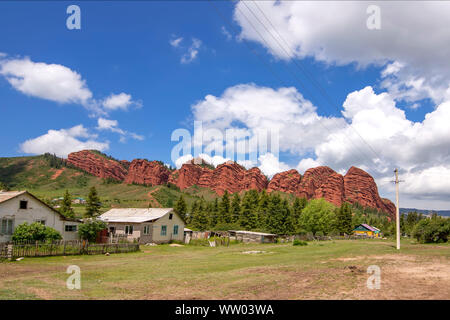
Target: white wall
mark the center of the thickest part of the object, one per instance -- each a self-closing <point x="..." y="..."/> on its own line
<point x="35" y="211"/>
<point x="165" y="221"/>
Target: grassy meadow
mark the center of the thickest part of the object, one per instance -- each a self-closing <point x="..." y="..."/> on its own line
<point x="320" y="270"/>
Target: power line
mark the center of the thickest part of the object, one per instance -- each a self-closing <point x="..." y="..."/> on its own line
<point x="301" y="68"/>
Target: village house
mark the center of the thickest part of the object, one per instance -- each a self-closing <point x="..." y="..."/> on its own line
<point x="151" y="225"/>
<point x="18" y="207"/>
<point x="250" y="236"/>
<point x="367" y="231"/>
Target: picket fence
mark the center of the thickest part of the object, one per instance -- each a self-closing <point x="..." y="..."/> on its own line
<point x="14" y="250"/>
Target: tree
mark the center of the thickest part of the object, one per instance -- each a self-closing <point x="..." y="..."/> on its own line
<point x="181" y="207"/>
<point x="3" y="187"/>
<point x="90" y="229"/>
<point x="66" y="209"/>
<point x="317" y="216"/>
<point x="279" y="220"/>
<point x="263" y="210"/>
<point x="199" y="214"/>
<point x="436" y="229"/>
<point x="224" y="209"/>
<point x="297" y="208"/>
<point x="344" y="219"/>
<point x="249" y="217"/>
<point x="93" y="204"/>
<point x="235" y="209"/>
<point x="35" y="232"/>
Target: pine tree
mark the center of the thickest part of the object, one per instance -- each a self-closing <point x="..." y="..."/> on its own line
<point x="344" y="219"/>
<point x="181" y="208"/>
<point x="213" y="211"/>
<point x="297" y="207"/>
<point x="92" y="204"/>
<point x="224" y="209"/>
<point x="235" y="208"/>
<point x="263" y="210"/>
<point x="66" y="209"/>
<point x="249" y="207"/>
<point x="200" y="219"/>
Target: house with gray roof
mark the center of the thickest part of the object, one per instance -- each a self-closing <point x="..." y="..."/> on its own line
<point x="145" y="225"/>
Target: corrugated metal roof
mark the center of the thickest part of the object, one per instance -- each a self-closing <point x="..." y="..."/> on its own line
<point x="136" y="215"/>
<point x="252" y="232"/>
<point x="6" y="195"/>
<point x="368" y="227"/>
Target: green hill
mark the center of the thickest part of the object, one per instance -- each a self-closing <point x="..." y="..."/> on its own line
<point x="48" y="179"/>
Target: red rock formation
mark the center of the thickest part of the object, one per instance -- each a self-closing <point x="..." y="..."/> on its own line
<point x="97" y="165"/>
<point x="312" y="180"/>
<point x="147" y="172"/>
<point x="287" y="181"/>
<point x="254" y="179"/>
<point x="332" y="189"/>
<point x="187" y="176"/>
<point x="361" y="187"/>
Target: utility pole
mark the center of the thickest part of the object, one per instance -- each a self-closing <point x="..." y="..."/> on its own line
<point x="397" y="182"/>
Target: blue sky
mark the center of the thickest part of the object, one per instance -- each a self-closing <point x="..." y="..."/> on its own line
<point x="125" y="47"/>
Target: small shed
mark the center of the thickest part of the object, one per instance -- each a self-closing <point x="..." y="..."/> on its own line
<point x="367" y="231"/>
<point x="251" y="236"/>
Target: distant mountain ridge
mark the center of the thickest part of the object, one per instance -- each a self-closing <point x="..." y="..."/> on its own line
<point x="445" y="213"/>
<point x="356" y="186"/>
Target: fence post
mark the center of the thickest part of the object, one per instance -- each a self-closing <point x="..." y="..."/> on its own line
<point x="9" y="252"/>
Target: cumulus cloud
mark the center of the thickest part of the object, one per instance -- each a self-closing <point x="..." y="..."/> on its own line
<point x="289" y="30"/>
<point x="113" y="126"/>
<point x="119" y="101"/>
<point x="53" y="82"/>
<point x="58" y="83"/>
<point x="373" y="134"/>
<point x="64" y="141"/>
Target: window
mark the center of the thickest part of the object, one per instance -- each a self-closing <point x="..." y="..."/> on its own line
<point x="147" y="229"/>
<point x="71" y="228"/>
<point x="128" y="229"/>
<point x="170" y="216"/>
<point x="175" y="230"/>
<point x="23" y="204"/>
<point x="112" y="230"/>
<point x="163" y="230"/>
<point x="7" y="226"/>
<point x="41" y="221"/>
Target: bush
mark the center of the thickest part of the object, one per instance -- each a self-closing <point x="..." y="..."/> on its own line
<point x="90" y="229"/>
<point x="434" y="230"/>
<point x="35" y="232"/>
<point x="299" y="243"/>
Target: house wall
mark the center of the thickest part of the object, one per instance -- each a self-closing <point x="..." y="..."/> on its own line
<point x="35" y="211"/>
<point x="165" y="221"/>
<point x="138" y="231"/>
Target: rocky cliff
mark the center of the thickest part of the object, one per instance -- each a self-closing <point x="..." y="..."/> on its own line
<point x="147" y="172"/>
<point x="320" y="182"/>
<point x="97" y="164"/>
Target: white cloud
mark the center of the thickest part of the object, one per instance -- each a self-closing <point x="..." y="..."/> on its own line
<point x="373" y="134"/>
<point x="182" y="160"/>
<point x="175" y="42"/>
<point x="64" y="141"/>
<point x="53" y="82"/>
<point x="113" y="126"/>
<point x="58" y="83"/>
<point x="270" y="165"/>
<point x="226" y="33"/>
<point x="119" y="101"/>
<point x="192" y="51"/>
<point x="411" y="35"/>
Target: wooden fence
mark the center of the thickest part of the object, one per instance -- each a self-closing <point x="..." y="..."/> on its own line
<point x="62" y="248"/>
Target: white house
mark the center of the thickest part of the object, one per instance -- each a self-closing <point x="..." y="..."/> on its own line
<point x="158" y="225"/>
<point x="17" y="207"/>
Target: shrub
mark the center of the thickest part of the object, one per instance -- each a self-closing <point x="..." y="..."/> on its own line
<point x="90" y="229"/>
<point x="35" y="232"/>
<point x="436" y="229"/>
<point x="299" y="243"/>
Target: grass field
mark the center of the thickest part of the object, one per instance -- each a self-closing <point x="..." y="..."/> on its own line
<point x="321" y="270"/>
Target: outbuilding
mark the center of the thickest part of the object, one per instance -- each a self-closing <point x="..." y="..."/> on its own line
<point x="18" y="207"/>
<point x="250" y="236"/>
<point x="144" y="225"/>
<point x="367" y="231"/>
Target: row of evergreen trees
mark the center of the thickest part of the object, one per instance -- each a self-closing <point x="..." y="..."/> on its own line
<point x="92" y="209"/>
<point x="261" y="211"/>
